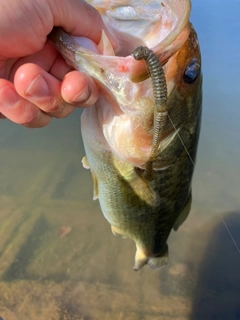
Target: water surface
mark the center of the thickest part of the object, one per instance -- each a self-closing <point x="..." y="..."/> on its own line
<point x="58" y="258"/>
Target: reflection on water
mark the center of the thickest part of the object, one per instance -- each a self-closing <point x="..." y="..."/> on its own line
<point x="58" y="258"/>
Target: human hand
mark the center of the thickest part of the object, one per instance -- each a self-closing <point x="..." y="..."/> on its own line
<point x="36" y="84"/>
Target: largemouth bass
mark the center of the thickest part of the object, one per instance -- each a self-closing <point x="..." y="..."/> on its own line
<point x="119" y="130"/>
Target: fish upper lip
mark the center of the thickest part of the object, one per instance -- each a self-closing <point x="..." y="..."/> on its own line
<point x="164" y="45"/>
<point x="119" y="73"/>
<point x="166" y="18"/>
<point x="154" y="24"/>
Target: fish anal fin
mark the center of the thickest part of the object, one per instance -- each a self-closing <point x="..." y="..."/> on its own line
<point x="114" y="231"/>
<point x="117" y="232"/>
<point x="85" y="163"/>
<point x="183" y="215"/>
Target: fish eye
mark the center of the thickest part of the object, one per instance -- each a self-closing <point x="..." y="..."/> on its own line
<point x="192" y="71"/>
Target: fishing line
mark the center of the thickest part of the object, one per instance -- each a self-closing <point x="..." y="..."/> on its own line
<point x="156" y="72"/>
<point x="195" y="168"/>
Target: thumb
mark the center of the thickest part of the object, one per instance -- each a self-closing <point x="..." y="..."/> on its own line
<point x="79" y="18"/>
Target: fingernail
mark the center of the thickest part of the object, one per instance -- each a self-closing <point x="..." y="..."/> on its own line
<point x="8" y="96"/>
<point x="38" y="88"/>
<point x="82" y="96"/>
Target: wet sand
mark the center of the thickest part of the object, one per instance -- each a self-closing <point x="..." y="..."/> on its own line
<point x="59" y="259"/>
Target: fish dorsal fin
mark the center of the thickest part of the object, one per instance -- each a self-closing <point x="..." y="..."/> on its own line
<point x="183" y="215"/>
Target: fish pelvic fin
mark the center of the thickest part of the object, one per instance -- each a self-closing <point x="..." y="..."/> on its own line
<point x="94" y="177"/>
<point x="183" y="215"/>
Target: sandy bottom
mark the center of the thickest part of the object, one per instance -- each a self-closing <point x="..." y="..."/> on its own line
<point x="59" y="259"/>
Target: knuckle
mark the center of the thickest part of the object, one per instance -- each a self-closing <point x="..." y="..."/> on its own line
<point x="52" y="105"/>
<point x="28" y="118"/>
<point x="60" y="110"/>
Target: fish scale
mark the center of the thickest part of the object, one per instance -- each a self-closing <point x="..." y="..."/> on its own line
<point x="118" y="134"/>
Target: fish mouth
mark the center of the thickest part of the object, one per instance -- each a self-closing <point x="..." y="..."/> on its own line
<point x="155" y="24"/>
<point x="161" y="26"/>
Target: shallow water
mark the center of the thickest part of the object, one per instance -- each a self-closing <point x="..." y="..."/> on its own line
<point x="58" y="258"/>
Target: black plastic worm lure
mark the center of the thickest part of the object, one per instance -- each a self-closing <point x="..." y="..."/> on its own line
<point x="160" y="97"/>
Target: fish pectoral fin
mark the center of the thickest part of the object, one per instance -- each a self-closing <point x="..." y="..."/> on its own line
<point x="95" y="186"/>
<point x="85" y="163"/>
<point x="142" y="188"/>
<point x="183" y="215"/>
